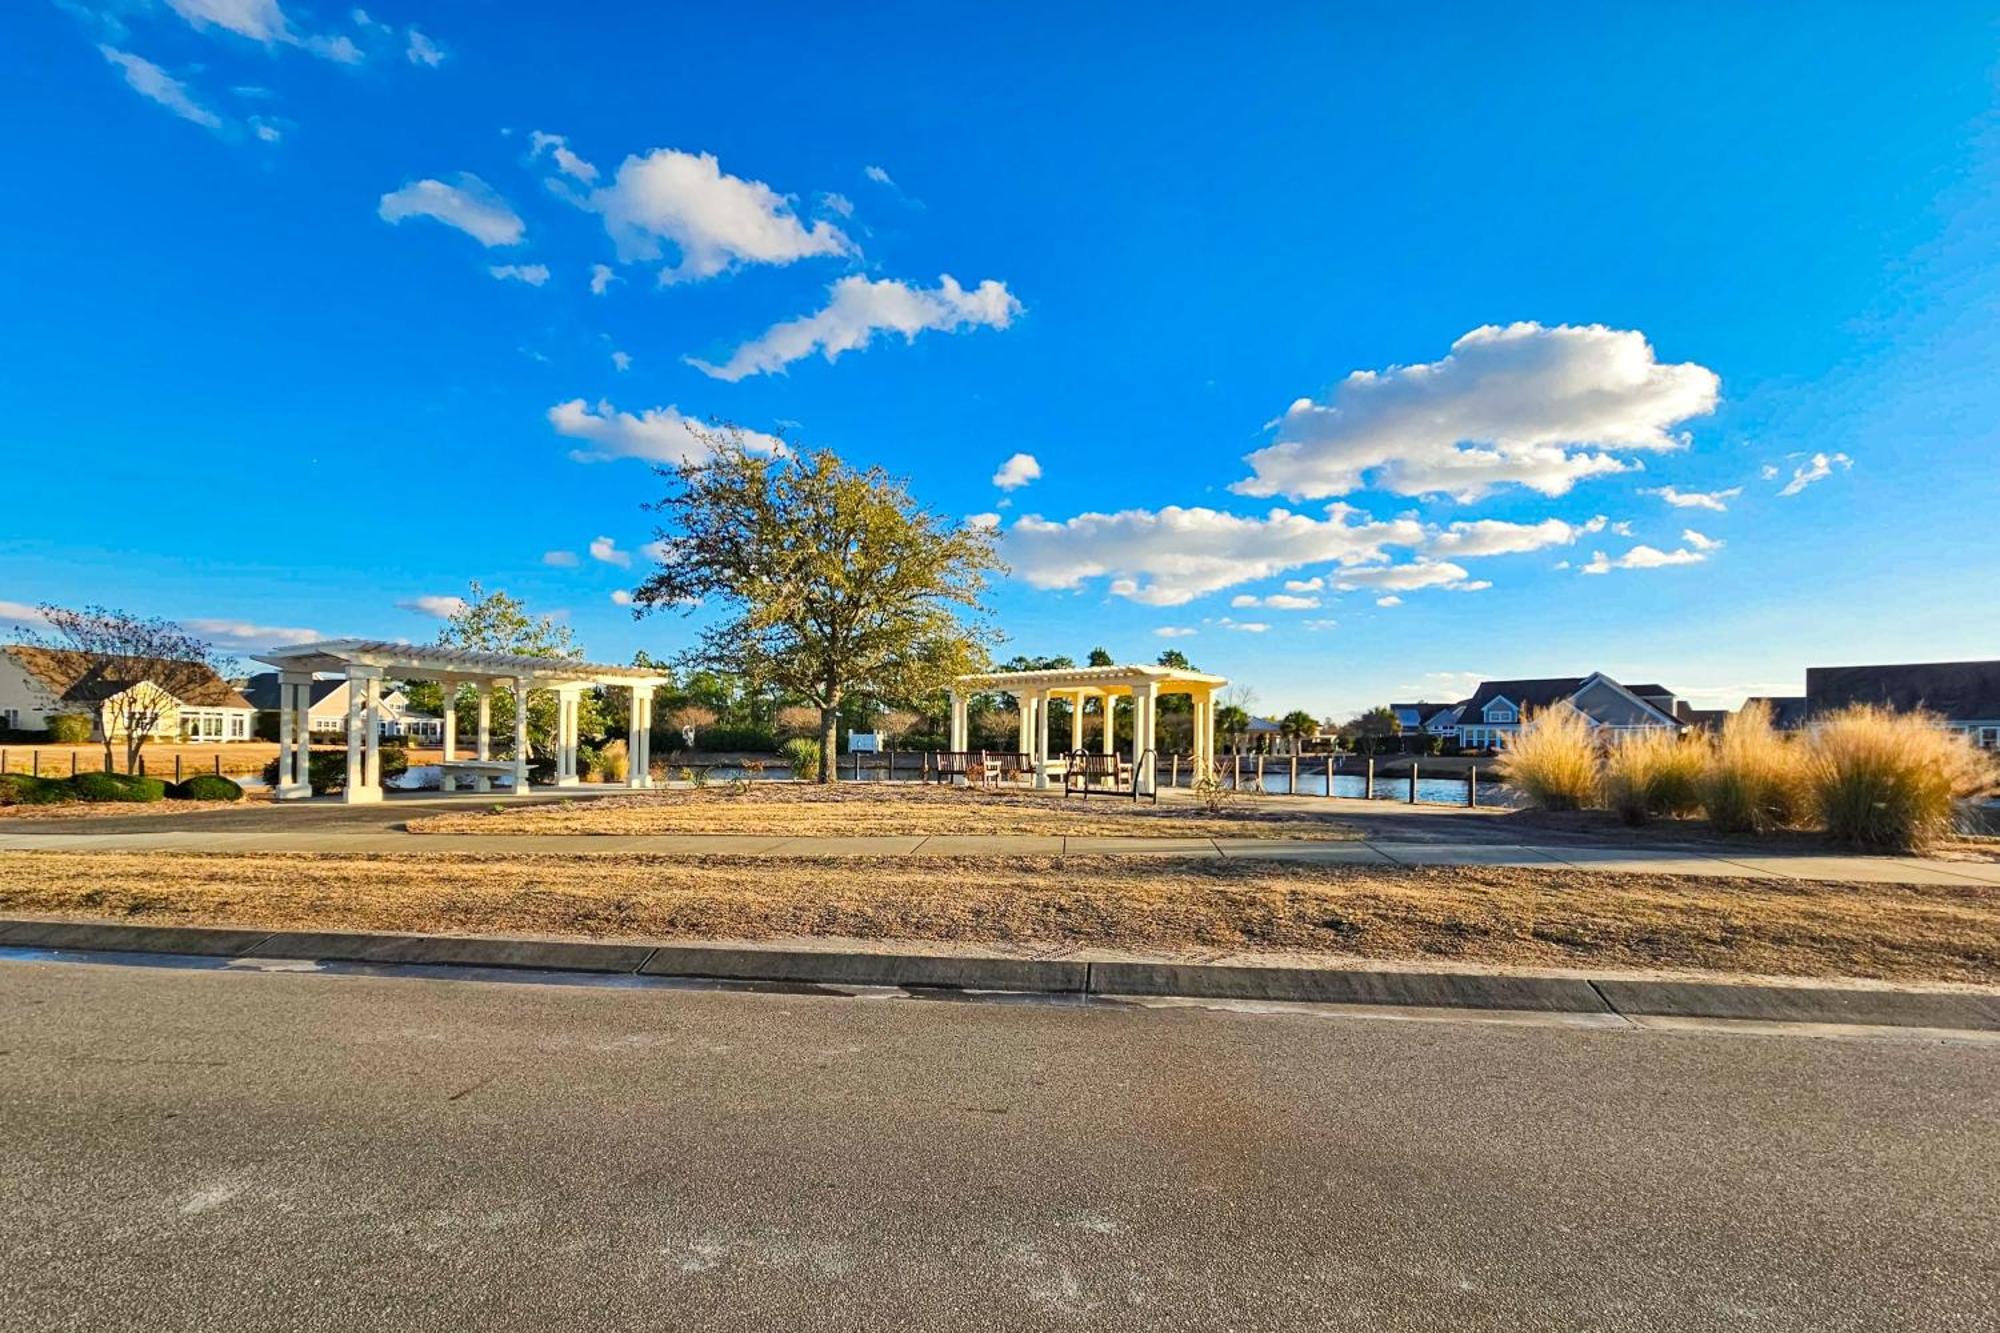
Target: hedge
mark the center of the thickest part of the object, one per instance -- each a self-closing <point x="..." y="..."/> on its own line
<point x="22" y="789"/>
<point x="116" y="787"/>
<point x="205" y="787"/>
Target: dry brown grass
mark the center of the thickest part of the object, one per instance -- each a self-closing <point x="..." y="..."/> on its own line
<point x="799" y="810"/>
<point x="123" y="809"/>
<point x="238" y="757"/>
<point x="1483" y="915"/>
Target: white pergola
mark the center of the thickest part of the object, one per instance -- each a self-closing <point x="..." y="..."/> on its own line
<point x="368" y="662"/>
<point x="1142" y="685"/>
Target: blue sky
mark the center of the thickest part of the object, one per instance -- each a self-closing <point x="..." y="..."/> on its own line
<point x="303" y="333"/>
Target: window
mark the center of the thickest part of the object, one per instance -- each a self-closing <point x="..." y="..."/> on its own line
<point x="1499" y="713"/>
<point x="239" y="726"/>
<point x="10" y="718"/>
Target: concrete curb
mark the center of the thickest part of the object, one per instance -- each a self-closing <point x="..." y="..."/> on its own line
<point x="1430" y="990"/>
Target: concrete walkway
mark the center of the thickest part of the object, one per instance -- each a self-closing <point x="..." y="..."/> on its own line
<point x="1662" y="860"/>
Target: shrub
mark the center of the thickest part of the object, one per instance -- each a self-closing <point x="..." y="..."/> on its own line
<point x="1649" y="774"/>
<point x="717" y="740"/>
<point x="796" y="720"/>
<point x="589" y="762"/>
<point x="68" y="728"/>
<point x="116" y="787"/>
<point x="1756" y="780"/>
<point x="1886" y="780"/>
<point x="801" y="754"/>
<point x="327" y="769"/>
<point x="613" y="763"/>
<point x="23" y="789"/>
<point x="1553" y="760"/>
<point x="205" y="787"/>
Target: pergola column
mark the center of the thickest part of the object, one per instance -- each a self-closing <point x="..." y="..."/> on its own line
<point x="639" y="738"/>
<point x="1145" y="717"/>
<point x="448" y="729"/>
<point x="1040" y="760"/>
<point x="294" y="735"/>
<point x="520" y="737"/>
<point x="1076" y="722"/>
<point x="484" y="689"/>
<point x="1110" y="739"/>
<point x="567" y="705"/>
<point x="364" y="721"/>
<point x="958" y="728"/>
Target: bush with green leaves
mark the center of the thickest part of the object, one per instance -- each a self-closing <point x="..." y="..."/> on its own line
<point x="205" y="787"/>
<point x="801" y="755"/>
<point x="68" y="728"/>
<point x="22" y="789"/>
<point x="327" y="769"/>
<point x="116" y="787"/>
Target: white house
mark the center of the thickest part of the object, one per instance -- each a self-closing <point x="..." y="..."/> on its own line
<point x="1496" y="708"/>
<point x="329" y="709"/>
<point x="1964" y="695"/>
<point x="37" y="683"/>
<point x="1429" y="719"/>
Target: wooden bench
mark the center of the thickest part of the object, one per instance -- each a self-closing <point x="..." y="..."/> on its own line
<point x="1085" y="768"/>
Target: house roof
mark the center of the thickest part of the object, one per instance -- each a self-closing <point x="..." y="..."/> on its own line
<point x="262" y="690"/>
<point x="1960" y="691"/>
<point x="76" y="677"/>
<point x="1788" y="711"/>
<point x="1542" y="693"/>
<point x="1648" y="691"/>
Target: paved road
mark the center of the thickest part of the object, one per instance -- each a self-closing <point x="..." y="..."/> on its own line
<point x="221" y="1151"/>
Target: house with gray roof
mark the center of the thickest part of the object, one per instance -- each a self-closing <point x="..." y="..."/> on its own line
<point x="1496" y="709"/>
<point x="1966" y="695"/>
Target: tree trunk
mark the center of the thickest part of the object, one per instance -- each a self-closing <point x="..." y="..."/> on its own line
<point x="829" y="737"/>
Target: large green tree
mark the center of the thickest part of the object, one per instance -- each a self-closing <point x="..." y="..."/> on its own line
<point x="495" y="622"/>
<point x="834" y="580"/>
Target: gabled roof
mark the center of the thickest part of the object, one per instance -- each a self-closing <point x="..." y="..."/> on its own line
<point x="262" y="690"/>
<point x="1542" y="693"/>
<point x="1650" y="691"/>
<point x="85" y="678"/>
<point x="1959" y="691"/>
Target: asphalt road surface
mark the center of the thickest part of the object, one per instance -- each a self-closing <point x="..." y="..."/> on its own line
<point x="222" y="1150"/>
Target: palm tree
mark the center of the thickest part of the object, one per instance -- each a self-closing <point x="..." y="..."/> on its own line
<point x="1296" y="725"/>
<point x="1231" y="722"/>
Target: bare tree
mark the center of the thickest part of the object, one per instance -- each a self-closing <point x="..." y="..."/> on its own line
<point x="132" y="672"/>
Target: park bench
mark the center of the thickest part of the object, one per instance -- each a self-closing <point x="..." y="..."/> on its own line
<point x="481" y="771"/>
<point x="1085" y="769"/>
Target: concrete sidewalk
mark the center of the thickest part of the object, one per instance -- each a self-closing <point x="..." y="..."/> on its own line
<point x="1665" y="860"/>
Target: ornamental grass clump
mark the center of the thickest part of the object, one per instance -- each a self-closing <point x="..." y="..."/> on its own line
<point x="1553" y="760"/>
<point x="1655" y="774"/>
<point x="1756" y="780"/>
<point x="1889" y="781"/>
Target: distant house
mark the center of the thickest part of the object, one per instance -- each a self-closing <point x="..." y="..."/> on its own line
<point x="1497" y="707"/>
<point x="329" y="709"/>
<point x="1788" y="711"/>
<point x="1429" y="719"/>
<point x="1965" y="694"/>
<point x="38" y="683"/>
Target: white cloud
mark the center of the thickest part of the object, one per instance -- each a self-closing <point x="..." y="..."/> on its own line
<point x="622" y="360"/>
<point x="421" y="50"/>
<point x="1680" y="499"/>
<point x="1409" y="577"/>
<point x="1489" y="536"/>
<point x="1176" y="632"/>
<point x="1173" y="555"/>
<point x="1623" y="528"/>
<point x="465" y="202"/>
<point x="605" y="549"/>
<point x="859" y="307"/>
<point x="1242" y="626"/>
<point x="433" y="604"/>
<point x="265" y="21"/>
<point x="713" y="220"/>
<point x="1769" y="472"/>
<point x="1817" y="468"/>
<point x="267" y="130"/>
<point x="1699" y="541"/>
<point x="1320" y="624"/>
<point x="834" y="202"/>
<point x="601" y="278"/>
<point x="532" y="274"/>
<point x="1017" y="472"/>
<point x="1516" y="405"/>
<point x="1313" y="584"/>
<point x="1389" y="600"/>
<point x="659" y="434"/>
<point x="879" y="176"/>
<point x="1277" y="601"/>
<point x="986" y="522"/>
<point x="1645" y="557"/>
<point x="246" y="634"/>
<point x="567" y="162"/>
<point x="560" y="559"/>
<point x="149" y="80"/>
<point x="620" y="597"/>
<point x="21" y="613"/>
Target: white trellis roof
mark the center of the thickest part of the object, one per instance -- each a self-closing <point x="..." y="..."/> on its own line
<point x="408" y="661"/>
<point x="1095" y="680"/>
